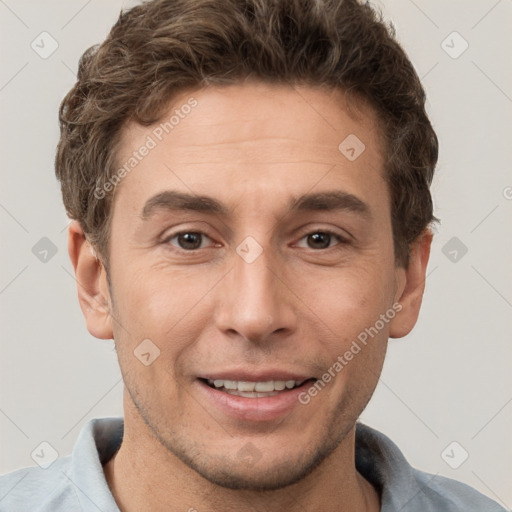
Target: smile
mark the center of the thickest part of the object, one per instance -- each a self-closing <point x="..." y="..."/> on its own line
<point x="249" y="389"/>
<point x="253" y="398"/>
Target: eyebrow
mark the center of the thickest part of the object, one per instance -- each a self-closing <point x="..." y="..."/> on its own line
<point x="330" y="201"/>
<point x="171" y="200"/>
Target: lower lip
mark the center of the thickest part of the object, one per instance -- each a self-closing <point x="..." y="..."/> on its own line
<point x="254" y="409"/>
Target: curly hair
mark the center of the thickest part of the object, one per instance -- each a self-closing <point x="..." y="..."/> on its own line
<point x="162" y="47"/>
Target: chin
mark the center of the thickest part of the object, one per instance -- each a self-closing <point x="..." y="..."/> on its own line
<point x="260" y="476"/>
<point x="250" y="468"/>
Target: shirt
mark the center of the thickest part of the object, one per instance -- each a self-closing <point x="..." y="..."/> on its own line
<point x="77" y="482"/>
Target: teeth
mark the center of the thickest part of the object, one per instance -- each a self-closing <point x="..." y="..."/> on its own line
<point x="264" y="386"/>
<point x="245" y="386"/>
<point x="256" y="387"/>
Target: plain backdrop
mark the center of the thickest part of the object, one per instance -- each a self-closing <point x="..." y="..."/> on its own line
<point x="448" y="381"/>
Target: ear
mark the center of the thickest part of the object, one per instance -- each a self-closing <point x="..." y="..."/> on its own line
<point x="92" y="285"/>
<point x="410" y="286"/>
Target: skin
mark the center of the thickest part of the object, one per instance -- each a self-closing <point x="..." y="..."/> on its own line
<point x="297" y="307"/>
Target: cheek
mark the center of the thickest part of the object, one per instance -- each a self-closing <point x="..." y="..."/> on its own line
<point x="164" y="307"/>
<point x="354" y="341"/>
<point x="156" y="297"/>
<point x="347" y="300"/>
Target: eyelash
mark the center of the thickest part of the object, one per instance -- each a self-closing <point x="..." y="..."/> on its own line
<point x="341" y="240"/>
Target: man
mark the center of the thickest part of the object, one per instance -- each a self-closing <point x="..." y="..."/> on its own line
<point x="249" y="183"/>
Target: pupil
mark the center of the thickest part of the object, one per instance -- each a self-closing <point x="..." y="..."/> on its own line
<point x="318" y="237"/>
<point x="190" y="240"/>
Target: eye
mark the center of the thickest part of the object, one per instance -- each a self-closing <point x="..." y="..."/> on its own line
<point x="322" y="239"/>
<point x="187" y="240"/>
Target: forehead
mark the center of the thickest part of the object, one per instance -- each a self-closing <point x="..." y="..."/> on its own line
<point x="256" y="140"/>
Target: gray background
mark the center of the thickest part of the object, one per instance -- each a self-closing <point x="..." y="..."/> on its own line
<point x="450" y="380"/>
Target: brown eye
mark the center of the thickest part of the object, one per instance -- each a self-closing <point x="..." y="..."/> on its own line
<point x="187" y="240"/>
<point x="322" y="240"/>
<point x="319" y="240"/>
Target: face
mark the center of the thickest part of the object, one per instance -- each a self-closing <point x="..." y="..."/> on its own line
<point x="251" y="252"/>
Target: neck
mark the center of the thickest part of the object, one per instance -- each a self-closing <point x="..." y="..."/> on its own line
<point x="144" y="476"/>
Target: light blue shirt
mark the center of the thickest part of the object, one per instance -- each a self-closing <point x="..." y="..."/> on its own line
<point x="76" y="483"/>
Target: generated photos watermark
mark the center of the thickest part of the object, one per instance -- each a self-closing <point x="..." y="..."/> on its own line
<point x="151" y="142"/>
<point x="355" y="347"/>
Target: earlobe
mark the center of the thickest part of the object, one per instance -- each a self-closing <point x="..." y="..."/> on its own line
<point x="92" y="286"/>
<point x="411" y="286"/>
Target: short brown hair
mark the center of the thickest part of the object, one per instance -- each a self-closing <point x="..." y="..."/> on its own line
<point x="162" y="47"/>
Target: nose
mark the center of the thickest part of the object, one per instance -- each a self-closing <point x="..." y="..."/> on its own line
<point x="255" y="299"/>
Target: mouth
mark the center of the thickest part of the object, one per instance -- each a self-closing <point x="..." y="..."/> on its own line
<point x="259" y="396"/>
<point x="250" y="389"/>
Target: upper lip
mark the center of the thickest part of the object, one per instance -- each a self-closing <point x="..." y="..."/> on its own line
<point x="256" y="376"/>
